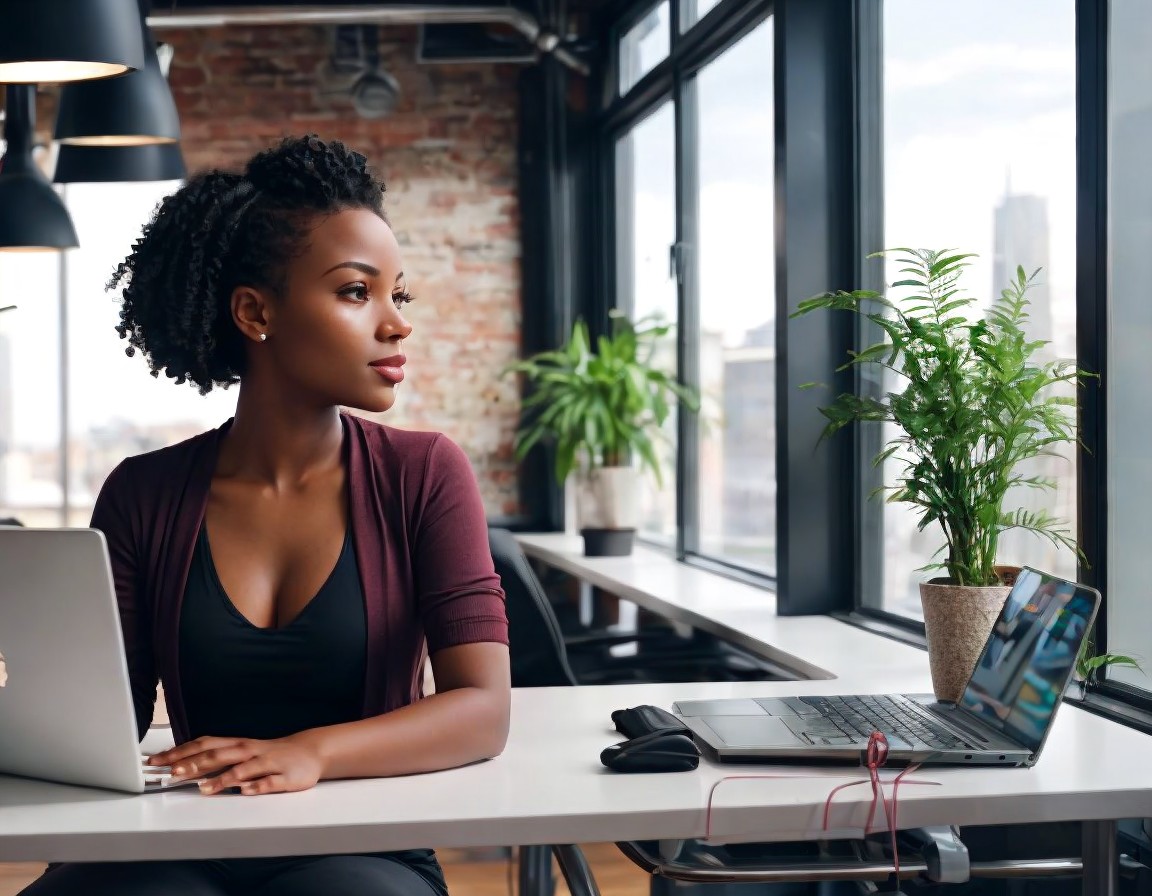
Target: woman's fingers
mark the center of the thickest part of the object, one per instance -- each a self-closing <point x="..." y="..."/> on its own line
<point x="191" y="748"/>
<point x="268" y="784"/>
<point x="212" y="760"/>
<point x="257" y="767"/>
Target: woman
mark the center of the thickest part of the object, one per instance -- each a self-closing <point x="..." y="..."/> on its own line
<point x="286" y="575"/>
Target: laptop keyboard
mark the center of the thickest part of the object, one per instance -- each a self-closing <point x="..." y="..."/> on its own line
<point x="856" y="717"/>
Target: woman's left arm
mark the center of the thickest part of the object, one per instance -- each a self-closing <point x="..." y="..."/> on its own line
<point x="464" y="721"/>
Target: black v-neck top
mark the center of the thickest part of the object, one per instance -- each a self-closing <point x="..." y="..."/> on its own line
<point x="239" y="680"/>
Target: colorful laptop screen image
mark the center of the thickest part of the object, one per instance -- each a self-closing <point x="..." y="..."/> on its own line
<point x="1019" y="679"/>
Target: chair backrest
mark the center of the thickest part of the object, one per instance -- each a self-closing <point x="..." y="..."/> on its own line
<point x="536" y="646"/>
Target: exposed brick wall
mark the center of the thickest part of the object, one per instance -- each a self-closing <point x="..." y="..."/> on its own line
<point x="448" y="157"/>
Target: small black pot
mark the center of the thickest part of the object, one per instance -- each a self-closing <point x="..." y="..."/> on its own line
<point x="607" y="542"/>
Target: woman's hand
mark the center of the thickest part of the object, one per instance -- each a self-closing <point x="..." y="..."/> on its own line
<point x="253" y="766"/>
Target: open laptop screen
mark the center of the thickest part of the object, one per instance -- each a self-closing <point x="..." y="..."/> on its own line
<point x="1026" y="664"/>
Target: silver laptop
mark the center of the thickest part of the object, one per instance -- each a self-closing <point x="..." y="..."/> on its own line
<point x="1003" y="718"/>
<point x="65" y="706"/>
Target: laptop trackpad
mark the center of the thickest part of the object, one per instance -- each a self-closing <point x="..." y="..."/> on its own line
<point x="753" y="731"/>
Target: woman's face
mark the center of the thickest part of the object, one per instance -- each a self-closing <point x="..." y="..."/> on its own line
<point x="334" y="336"/>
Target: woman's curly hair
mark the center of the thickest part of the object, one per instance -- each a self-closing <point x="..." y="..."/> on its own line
<point x="222" y="230"/>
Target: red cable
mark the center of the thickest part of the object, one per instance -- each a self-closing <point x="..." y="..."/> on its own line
<point x="875" y="757"/>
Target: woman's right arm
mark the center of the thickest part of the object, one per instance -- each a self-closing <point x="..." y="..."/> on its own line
<point x="117" y="515"/>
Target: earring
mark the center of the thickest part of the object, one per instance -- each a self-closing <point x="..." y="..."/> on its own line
<point x="263" y="337"/>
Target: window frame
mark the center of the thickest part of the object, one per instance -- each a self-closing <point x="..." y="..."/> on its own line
<point x="673" y="80"/>
<point x="814" y="68"/>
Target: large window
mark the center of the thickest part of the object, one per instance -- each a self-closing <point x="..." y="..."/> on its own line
<point x="110" y="407"/>
<point x="1129" y="424"/>
<point x="977" y="144"/>
<point x="734" y="288"/>
<point x="645" y="230"/>
<point x="694" y="242"/>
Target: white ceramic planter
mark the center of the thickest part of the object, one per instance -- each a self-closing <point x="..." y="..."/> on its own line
<point x="608" y="498"/>
<point x="607" y="509"/>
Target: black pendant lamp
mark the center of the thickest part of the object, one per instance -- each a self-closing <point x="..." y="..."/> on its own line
<point x="135" y="109"/>
<point x="104" y="164"/>
<point x="32" y="216"/>
<point x="58" y="41"/>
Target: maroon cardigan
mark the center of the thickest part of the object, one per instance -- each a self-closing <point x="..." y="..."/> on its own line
<point x="421" y="542"/>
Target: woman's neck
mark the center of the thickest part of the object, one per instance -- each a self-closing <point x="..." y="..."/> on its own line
<point x="279" y="444"/>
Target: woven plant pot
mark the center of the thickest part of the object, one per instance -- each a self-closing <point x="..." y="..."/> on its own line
<point x="957" y="620"/>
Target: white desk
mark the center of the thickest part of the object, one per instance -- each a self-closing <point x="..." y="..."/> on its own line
<point x="549" y="787"/>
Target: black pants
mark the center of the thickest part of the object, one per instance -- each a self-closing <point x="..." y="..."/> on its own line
<point x="413" y="872"/>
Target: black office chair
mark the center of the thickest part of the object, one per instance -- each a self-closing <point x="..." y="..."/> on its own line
<point x="536" y="646"/>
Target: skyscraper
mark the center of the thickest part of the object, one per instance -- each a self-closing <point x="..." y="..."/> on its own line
<point x="1020" y="238"/>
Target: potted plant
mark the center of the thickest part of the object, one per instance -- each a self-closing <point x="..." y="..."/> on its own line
<point x="602" y="408"/>
<point x="972" y="404"/>
<point x="1089" y="663"/>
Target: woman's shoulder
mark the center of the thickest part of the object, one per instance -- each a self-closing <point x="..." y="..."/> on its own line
<point x="380" y="439"/>
<point x="406" y="451"/>
<point x="160" y="464"/>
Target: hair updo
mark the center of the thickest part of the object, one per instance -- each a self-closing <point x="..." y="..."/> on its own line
<point x="221" y="230"/>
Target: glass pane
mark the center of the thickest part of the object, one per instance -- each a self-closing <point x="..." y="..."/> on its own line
<point x="692" y="11"/>
<point x="643" y="46"/>
<point x="645" y="232"/>
<point x="30" y="470"/>
<point x="1129" y="365"/>
<point x="116" y="408"/>
<point x="979" y="154"/>
<point x="737" y="474"/>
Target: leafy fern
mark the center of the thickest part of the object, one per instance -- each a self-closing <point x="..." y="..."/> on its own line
<point x="975" y="404"/>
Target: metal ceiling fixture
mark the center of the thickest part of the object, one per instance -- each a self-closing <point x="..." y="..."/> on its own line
<point x="113" y="164"/>
<point x="32" y="216"/>
<point x="58" y="41"/>
<point x="131" y="110"/>
<point x="545" y="40"/>
<point x="356" y="51"/>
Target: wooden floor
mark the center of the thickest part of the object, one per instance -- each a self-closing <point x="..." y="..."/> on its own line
<point x="469" y="873"/>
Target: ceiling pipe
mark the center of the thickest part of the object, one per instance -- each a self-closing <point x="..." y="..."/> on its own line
<point x="544" y="40"/>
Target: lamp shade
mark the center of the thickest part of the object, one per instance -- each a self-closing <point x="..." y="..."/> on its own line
<point x="104" y="164"/>
<point x="32" y="216"/>
<point x="55" y="41"/>
<point x="127" y="111"/>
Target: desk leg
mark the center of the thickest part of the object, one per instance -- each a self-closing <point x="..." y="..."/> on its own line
<point x="1100" y="857"/>
<point x="576" y="872"/>
<point x="536" y="871"/>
